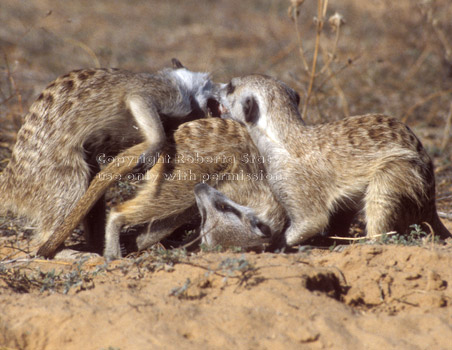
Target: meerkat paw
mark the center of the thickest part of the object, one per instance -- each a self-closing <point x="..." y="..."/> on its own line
<point x="112" y="255"/>
<point x="114" y="250"/>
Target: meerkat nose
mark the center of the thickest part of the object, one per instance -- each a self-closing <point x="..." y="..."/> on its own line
<point x="223" y="109"/>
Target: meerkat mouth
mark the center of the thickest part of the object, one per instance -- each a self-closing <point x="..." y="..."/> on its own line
<point x="216" y="109"/>
<point x="213" y="108"/>
<point x="223" y="110"/>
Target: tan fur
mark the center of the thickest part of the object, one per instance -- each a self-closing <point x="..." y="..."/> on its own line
<point x="371" y="162"/>
<point x="214" y="151"/>
<point x="173" y="201"/>
<point x="80" y="116"/>
<point x="123" y="164"/>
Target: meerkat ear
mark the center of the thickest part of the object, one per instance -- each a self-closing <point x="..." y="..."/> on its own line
<point x="297" y="98"/>
<point x="176" y="63"/>
<point x="251" y="110"/>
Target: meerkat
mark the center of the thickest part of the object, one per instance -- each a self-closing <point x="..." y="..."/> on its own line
<point x="213" y="151"/>
<point x="373" y="163"/>
<point x="86" y="113"/>
<point x="228" y="224"/>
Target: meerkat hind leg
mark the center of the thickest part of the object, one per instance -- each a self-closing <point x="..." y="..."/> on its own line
<point x="161" y="229"/>
<point x="387" y="206"/>
<point x="379" y="213"/>
<point x="144" y="208"/>
<point x="141" y="237"/>
<point x="115" y="222"/>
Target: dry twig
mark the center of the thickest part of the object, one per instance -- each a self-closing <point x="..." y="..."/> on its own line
<point x="424" y="101"/>
<point x="362" y="238"/>
<point x="321" y="10"/>
<point x="447" y="129"/>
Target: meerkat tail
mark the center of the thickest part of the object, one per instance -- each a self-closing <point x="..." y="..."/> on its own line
<point x="96" y="190"/>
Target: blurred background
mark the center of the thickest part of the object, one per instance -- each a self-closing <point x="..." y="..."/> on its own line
<point x="392" y="57"/>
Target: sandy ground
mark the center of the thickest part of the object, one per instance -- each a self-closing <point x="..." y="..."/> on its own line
<point x="363" y="297"/>
<point x="389" y="59"/>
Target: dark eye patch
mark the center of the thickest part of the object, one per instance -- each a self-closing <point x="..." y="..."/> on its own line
<point x="251" y="110"/>
<point x="230" y="88"/>
<point x="214" y="107"/>
<point x="226" y="208"/>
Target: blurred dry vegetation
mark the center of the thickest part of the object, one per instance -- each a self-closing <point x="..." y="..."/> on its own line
<point x="344" y="57"/>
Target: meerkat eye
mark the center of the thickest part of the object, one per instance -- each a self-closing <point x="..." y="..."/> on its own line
<point x="226" y="208"/>
<point x="230" y="88"/>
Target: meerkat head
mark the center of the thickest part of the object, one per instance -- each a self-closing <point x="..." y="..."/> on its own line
<point x="256" y="100"/>
<point x="226" y="223"/>
<point x="197" y="86"/>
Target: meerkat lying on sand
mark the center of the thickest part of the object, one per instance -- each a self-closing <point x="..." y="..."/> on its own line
<point x="215" y="151"/>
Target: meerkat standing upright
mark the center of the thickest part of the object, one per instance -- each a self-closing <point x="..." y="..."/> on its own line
<point x="82" y="114"/>
<point x="370" y="162"/>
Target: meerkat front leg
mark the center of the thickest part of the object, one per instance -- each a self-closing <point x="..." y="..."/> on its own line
<point x="307" y="218"/>
<point x="149" y="122"/>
